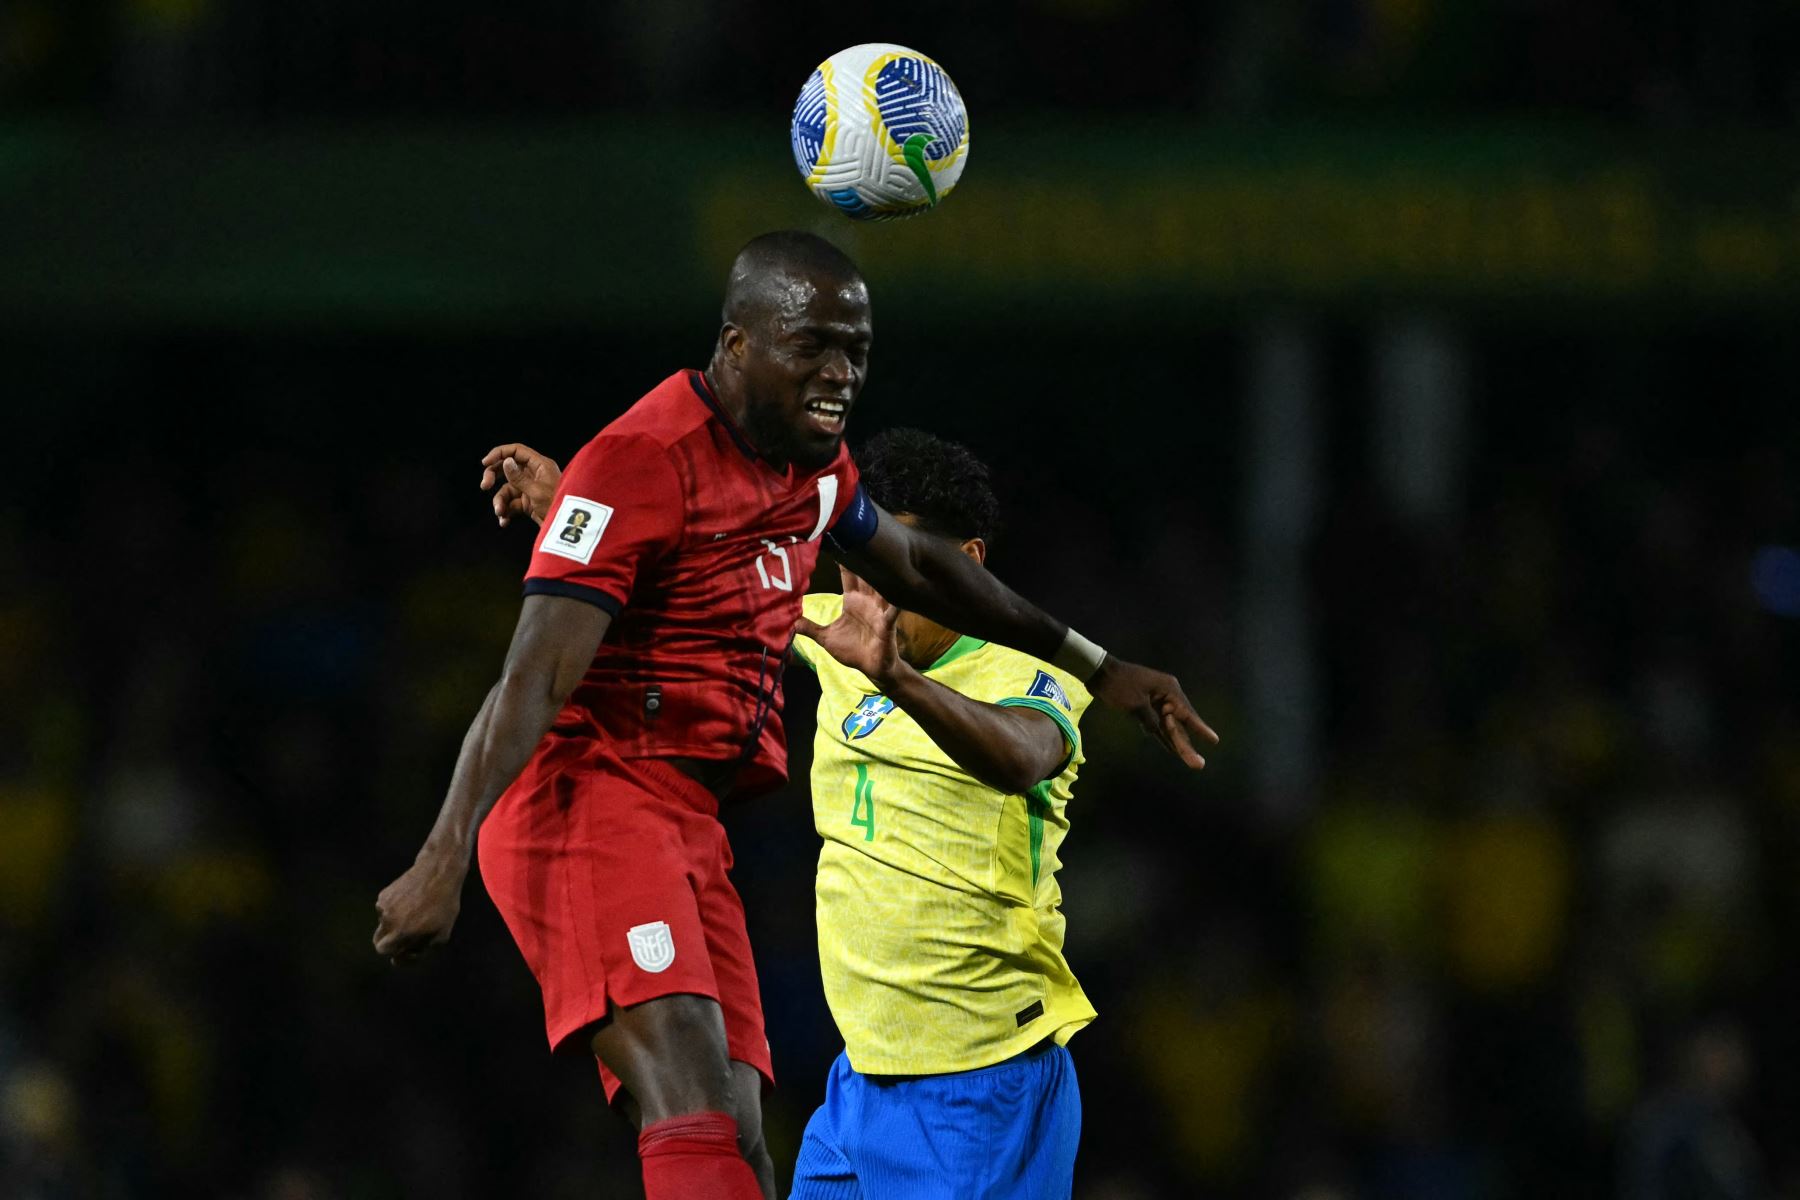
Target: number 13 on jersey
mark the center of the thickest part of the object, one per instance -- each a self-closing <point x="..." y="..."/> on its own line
<point x="777" y="573"/>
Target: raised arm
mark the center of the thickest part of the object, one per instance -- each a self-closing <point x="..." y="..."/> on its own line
<point x="1009" y="749"/>
<point x="928" y="575"/>
<point x="552" y="646"/>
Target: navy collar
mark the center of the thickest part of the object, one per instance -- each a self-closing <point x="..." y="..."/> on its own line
<point x="697" y="380"/>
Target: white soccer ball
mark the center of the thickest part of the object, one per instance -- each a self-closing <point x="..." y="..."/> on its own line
<point x="880" y="131"/>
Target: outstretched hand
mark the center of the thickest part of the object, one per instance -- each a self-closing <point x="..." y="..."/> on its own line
<point x="864" y="637"/>
<point x="1158" y="703"/>
<point x="527" y="481"/>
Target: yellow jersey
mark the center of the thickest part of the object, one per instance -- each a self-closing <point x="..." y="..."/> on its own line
<point x="940" y="920"/>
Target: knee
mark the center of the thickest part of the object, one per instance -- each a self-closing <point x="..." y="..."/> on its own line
<point x="752" y="1146"/>
<point x="697" y="1087"/>
<point x="671" y="1055"/>
<point x="750" y="1141"/>
<point x="746" y="1110"/>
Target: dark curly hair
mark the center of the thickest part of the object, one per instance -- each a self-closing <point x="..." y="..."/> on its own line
<point x="937" y="481"/>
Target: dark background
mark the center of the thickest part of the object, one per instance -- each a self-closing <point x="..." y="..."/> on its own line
<point x="1477" y="554"/>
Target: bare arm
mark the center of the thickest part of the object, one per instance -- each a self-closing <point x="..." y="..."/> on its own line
<point x="552" y="646"/>
<point x="929" y="575"/>
<point x="1009" y="749"/>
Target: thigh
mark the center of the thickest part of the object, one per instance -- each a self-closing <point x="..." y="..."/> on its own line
<point x="822" y="1171"/>
<point x="1031" y="1111"/>
<point x="1007" y="1132"/>
<point x="1050" y="1131"/>
<point x="590" y="871"/>
<point x="728" y="950"/>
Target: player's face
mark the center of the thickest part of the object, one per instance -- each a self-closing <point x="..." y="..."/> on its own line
<point x="805" y="367"/>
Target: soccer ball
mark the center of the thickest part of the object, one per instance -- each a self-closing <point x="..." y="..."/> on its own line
<point x="879" y="132"/>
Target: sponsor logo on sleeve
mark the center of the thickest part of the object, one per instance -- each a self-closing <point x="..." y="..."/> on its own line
<point x="1047" y="687"/>
<point x="575" y="529"/>
<point x="652" y="946"/>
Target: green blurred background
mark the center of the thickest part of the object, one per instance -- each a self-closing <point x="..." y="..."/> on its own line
<point x="1416" y="377"/>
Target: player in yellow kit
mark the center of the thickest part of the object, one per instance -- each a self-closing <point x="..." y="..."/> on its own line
<point x="941" y="778"/>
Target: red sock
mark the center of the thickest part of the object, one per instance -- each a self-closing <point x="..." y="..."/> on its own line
<point x="695" y="1157"/>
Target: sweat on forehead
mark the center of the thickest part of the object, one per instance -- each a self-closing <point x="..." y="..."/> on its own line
<point x="781" y="273"/>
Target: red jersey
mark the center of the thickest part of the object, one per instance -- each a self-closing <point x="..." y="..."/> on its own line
<point x="702" y="551"/>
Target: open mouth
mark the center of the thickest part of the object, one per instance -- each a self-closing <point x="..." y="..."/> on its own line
<point x="827" y="416"/>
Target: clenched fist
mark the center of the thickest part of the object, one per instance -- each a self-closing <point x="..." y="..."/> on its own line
<point x="417" y="910"/>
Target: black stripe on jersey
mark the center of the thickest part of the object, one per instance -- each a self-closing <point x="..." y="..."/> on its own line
<point x="575" y="591"/>
<point x="697" y="381"/>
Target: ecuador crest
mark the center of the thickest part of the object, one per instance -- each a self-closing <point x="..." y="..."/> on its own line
<point x="652" y="946"/>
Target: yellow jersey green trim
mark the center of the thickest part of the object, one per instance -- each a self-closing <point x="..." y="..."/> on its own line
<point x="1037" y="803"/>
<point x="963" y="645"/>
<point x="1055" y="714"/>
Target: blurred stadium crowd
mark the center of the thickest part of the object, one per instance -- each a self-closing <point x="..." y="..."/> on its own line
<point x="1664" y="63"/>
<point x="1519" y="930"/>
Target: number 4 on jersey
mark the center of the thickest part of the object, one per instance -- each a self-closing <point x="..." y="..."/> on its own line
<point x="862" y="809"/>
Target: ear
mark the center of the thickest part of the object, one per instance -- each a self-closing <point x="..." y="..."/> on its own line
<point x="734" y="342"/>
<point x="976" y="549"/>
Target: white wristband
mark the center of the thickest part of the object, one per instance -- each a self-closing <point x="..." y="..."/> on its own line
<point x="1078" y="656"/>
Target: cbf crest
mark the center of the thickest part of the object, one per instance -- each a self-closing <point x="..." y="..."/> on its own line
<point x="652" y="946"/>
<point x="865" y="717"/>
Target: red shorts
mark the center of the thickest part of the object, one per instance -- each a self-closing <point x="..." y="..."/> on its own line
<point x="613" y="876"/>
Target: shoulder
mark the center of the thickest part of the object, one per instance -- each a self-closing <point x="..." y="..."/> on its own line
<point x="666" y="415"/>
<point x="1015" y="680"/>
<point x="646" y="437"/>
<point x="1010" y="675"/>
<point x="623" y="461"/>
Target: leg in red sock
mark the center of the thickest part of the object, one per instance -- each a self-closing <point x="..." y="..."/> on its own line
<point x="696" y="1157"/>
<point x="700" y="1113"/>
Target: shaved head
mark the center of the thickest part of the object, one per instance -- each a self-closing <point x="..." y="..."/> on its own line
<point x="794" y="347"/>
<point x="779" y="272"/>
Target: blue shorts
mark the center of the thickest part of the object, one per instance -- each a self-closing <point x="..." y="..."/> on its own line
<point x="1005" y="1132"/>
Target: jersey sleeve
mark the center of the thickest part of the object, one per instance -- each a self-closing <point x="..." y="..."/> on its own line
<point x="823" y="608"/>
<point x="620" y="506"/>
<point x="1042" y="688"/>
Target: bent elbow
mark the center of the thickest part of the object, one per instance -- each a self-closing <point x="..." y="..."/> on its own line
<point x="908" y="587"/>
<point x="1021" y="776"/>
<point x="535" y="687"/>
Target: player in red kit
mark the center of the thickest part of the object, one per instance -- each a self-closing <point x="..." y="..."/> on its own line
<point x="643" y="685"/>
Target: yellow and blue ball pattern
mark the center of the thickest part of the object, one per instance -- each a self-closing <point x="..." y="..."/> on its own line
<point x="880" y="131"/>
